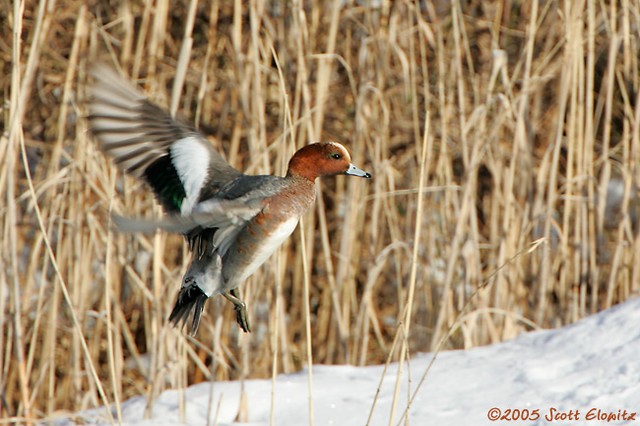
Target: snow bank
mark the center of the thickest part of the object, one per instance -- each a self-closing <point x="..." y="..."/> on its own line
<point x="586" y="373"/>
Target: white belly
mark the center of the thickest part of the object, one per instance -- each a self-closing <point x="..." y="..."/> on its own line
<point x="266" y="249"/>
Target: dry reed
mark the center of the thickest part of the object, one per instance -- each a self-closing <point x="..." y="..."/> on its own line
<point x="488" y="126"/>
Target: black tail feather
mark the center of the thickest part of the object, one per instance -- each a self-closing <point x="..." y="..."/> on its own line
<point x="190" y="298"/>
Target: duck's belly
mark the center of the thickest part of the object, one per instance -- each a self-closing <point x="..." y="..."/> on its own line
<point x="254" y="245"/>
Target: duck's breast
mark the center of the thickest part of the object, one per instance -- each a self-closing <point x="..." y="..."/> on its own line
<point x="253" y="246"/>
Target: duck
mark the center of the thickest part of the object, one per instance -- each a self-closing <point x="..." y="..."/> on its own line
<point x="232" y="222"/>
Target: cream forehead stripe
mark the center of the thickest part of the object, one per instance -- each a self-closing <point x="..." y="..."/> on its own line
<point x="344" y="150"/>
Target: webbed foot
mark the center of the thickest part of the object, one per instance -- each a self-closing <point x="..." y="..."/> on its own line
<point x="241" y="310"/>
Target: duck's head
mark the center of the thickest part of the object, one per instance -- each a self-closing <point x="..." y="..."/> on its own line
<point x="323" y="159"/>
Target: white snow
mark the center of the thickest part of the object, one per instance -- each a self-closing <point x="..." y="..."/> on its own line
<point x="591" y="365"/>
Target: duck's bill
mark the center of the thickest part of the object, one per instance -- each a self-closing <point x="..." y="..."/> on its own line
<point x="354" y="171"/>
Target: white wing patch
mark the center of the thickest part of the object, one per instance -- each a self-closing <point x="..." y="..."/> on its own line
<point x="191" y="159"/>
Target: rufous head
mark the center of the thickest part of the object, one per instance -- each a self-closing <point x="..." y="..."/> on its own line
<point x="323" y="159"/>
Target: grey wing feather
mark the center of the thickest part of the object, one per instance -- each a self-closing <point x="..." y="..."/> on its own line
<point x="176" y="160"/>
<point x="213" y="213"/>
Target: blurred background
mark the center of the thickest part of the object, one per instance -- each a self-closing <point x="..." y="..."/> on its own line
<point x="502" y="137"/>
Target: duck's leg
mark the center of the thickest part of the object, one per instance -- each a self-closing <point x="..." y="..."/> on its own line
<point x="241" y="310"/>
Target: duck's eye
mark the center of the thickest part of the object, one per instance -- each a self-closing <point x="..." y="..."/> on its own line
<point x="336" y="156"/>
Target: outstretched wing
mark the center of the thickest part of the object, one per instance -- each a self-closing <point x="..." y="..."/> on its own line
<point x="224" y="219"/>
<point x="144" y="140"/>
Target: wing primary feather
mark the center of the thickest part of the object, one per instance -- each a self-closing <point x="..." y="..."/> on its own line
<point x="138" y="134"/>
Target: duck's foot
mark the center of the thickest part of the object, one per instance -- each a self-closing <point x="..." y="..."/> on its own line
<point x="241" y="310"/>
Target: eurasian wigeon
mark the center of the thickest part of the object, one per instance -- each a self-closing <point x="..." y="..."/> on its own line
<point x="233" y="222"/>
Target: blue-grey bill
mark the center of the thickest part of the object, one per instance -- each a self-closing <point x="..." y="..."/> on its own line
<point x="354" y="171"/>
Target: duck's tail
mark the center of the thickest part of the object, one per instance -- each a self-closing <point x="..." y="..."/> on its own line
<point x="190" y="298"/>
<point x="202" y="280"/>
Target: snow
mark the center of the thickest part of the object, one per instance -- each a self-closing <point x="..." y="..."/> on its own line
<point x="567" y="376"/>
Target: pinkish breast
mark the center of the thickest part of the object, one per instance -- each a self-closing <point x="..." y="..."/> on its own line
<point x="266" y="232"/>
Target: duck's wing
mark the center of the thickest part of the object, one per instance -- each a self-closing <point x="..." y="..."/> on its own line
<point x="245" y="196"/>
<point x="176" y="160"/>
<point x="212" y="224"/>
<point x="214" y="213"/>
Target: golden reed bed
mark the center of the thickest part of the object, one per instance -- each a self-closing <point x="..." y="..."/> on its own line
<point x="503" y="138"/>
